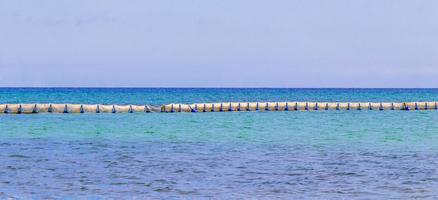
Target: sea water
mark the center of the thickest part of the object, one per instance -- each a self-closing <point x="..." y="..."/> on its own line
<point x="256" y="155"/>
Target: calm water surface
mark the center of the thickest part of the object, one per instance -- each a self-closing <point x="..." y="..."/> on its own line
<point x="259" y="155"/>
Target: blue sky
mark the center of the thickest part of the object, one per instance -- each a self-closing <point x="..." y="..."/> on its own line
<point x="219" y="43"/>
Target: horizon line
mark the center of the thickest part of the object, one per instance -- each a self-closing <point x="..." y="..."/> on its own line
<point x="135" y="87"/>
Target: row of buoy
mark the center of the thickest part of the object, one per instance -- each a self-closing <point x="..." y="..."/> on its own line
<point x="75" y="108"/>
<point x="297" y="106"/>
<point x="212" y="107"/>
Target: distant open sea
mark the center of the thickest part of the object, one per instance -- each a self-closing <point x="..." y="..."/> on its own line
<point x="236" y="155"/>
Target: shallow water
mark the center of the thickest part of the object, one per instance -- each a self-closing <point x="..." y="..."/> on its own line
<point x="261" y="155"/>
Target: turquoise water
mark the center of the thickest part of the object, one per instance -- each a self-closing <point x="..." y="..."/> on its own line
<point x="158" y="96"/>
<point x="258" y="155"/>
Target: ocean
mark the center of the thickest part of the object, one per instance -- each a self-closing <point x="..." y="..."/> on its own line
<point x="234" y="155"/>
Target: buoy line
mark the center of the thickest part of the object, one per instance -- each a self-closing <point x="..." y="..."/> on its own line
<point x="214" y="107"/>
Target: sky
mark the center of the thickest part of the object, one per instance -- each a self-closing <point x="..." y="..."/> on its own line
<point x="219" y="43"/>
